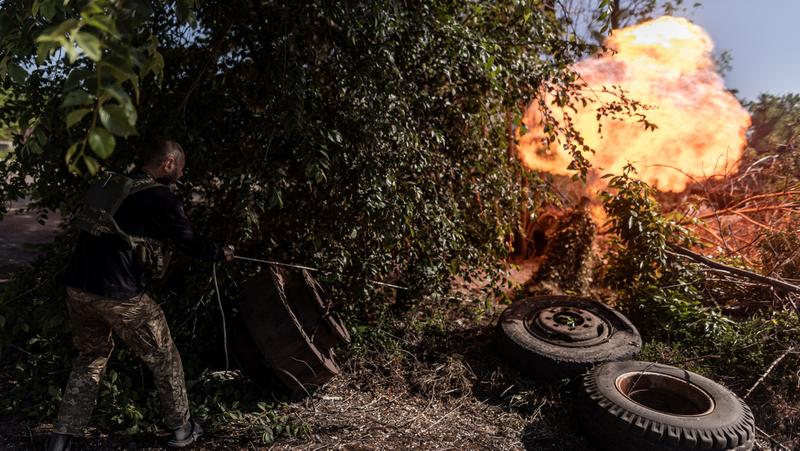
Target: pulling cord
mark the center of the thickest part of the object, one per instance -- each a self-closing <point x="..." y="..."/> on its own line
<point x="275" y="263"/>
<point x="269" y="262"/>
<point x="222" y="313"/>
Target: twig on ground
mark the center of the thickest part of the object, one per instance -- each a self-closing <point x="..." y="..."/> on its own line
<point x="769" y="370"/>
<point x="458" y="406"/>
<point x="774" y="442"/>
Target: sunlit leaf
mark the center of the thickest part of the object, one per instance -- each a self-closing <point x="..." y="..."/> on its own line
<point x="77" y="97"/>
<point x="102" y="142"/>
<point x="90" y="45"/>
<point x="117" y="120"/>
<point x="75" y="116"/>
<point x="71" y="151"/>
<point x="91" y="164"/>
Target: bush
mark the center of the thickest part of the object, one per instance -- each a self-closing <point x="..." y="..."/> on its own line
<point x="369" y="139"/>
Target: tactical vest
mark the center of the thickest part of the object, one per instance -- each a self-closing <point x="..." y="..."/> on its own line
<point x="97" y="218"/>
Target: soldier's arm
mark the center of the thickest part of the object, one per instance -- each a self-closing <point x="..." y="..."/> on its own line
<point x="180" y="232"/>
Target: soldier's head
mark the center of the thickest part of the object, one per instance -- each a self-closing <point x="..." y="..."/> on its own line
<point x="164" y="158"/>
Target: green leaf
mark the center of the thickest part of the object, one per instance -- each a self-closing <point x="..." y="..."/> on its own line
<point x="117" y="93"/>
<point x="102" y="142"/>
<point x="117" y="120"/>
<point x="58" y="33"/>
<point x="75" y="116"/>
<point x="17" y="73"/>
<point x="35" y="147"/>
<point x="73" y="149"/>
<point x="72" y="53"/>
<point x="90" y="45"/>
<point x="120" y="73"/>
<point x="40" y="135"/>
<point x="91" y="164"/>
<point x="102" y="22"/>
<point x="48" y="9"/>
<point x="44" y="50"/>
<point x="76" y="98"/>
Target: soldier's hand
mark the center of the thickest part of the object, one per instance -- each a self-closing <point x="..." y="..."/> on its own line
<point x="228" y="251"/>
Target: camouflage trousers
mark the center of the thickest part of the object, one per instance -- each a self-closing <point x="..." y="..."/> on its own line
<point x="141" y="324"/>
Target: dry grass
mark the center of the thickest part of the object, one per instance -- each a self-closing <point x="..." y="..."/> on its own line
<point x="438" y="391"/>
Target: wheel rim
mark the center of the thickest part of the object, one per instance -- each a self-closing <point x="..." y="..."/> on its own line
<point x="566" y="325"/>
<point x="664" y="393"/>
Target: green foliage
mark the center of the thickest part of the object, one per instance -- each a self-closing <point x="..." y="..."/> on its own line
<point x="660" y="291"/>
<point x="737" y="354"/>
<point x="382" y="125"/>
<point x="5" y="127"/>
<point x="771" y="162"/>
<point x="369" y="139"/>
<point x="640" y="259"/>
<point x="95" y="52"/>
<point x="226" y="406"/>
<point x="673" y="304"/>
<point x="776" y="122"/>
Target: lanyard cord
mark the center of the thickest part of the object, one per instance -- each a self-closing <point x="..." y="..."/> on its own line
<point x="258" y="260"/>
<point x="222" y="313"/>
<point x="308" y="268"/>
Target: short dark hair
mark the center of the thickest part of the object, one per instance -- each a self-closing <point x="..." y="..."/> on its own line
<point x="159" y="149"/>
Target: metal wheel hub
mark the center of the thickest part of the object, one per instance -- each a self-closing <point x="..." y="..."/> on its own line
<point x="568" y="326"/>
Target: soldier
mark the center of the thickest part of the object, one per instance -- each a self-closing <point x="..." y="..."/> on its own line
<point x="126" y="222"/>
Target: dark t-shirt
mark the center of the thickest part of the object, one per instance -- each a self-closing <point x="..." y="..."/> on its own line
<point x="104" y="265"/>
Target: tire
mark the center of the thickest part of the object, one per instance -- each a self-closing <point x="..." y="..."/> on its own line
<point x="535" y="342"/>
<point x="629" y="406"/>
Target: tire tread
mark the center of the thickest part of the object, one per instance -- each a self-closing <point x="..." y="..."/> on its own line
<point x="623" y="430"/>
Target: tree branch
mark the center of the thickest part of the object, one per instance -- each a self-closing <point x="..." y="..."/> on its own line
<point x="785" y="286"/>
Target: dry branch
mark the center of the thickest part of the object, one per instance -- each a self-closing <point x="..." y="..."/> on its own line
<point x="786" y="207"/>
<point x="769" y="370"/>
<point x="772" y="440"/>
<point x="785" y="286"/>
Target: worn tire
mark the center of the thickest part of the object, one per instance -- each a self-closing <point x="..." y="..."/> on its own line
<point x="547" y="360"/>
<point x="686" y="411"/>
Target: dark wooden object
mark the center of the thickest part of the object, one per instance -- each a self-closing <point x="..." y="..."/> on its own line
<point x="293" y="329"/>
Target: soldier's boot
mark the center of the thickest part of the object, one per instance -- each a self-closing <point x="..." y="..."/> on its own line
<point x="185" y="435"/>
<point x="59" y="442"/>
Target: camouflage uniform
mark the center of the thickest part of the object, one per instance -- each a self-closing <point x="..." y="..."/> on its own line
<point x="141" y="324"/>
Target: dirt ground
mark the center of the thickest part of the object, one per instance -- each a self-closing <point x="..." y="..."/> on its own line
<point x="20" y="232"/>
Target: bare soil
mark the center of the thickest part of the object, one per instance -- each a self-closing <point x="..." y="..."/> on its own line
<point x="20" y="233"/>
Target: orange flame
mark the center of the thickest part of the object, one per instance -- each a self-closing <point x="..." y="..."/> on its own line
<point x="664" y="63"/>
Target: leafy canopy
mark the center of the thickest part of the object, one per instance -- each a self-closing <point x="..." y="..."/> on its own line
<point x="370" y="139"/>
